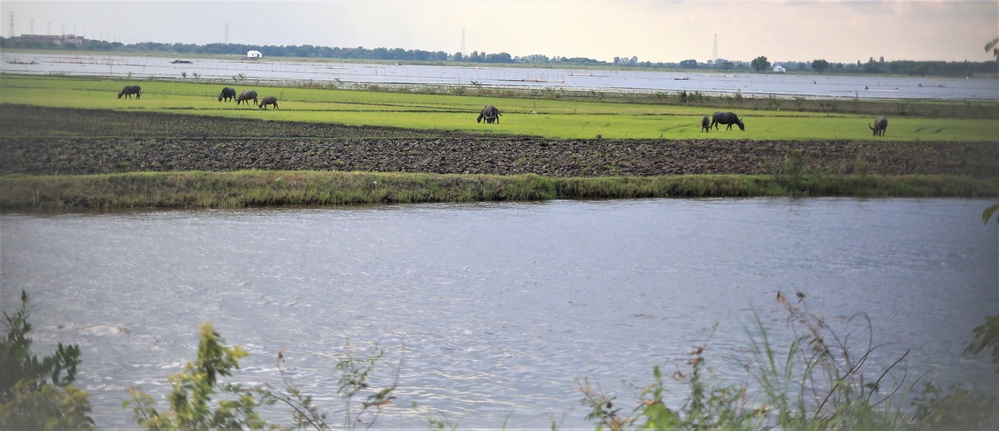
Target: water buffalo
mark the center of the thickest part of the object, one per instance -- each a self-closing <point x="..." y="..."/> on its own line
<point x="228" y="94"/>
<point x="880" y="125"/>
<point x="726" y="118"/>
<point x="129" y="90"/>
<point x="490" y="114"/>
<point x="705" y="124"/>
<point x="247" y="96"/>
<point x="269" y="100"/>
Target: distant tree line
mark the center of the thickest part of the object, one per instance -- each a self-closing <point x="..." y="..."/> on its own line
<point x="760" y="64"/>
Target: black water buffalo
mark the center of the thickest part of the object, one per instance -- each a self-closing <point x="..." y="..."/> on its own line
<point x="228" y="94"/>
<point x="728" y="118"/>
<point x="705" y="124"/>
<point x="129" y="90"/>
<point x="490" y="114"/>
<point x="269" y="100"/>
<point x="247" y="96"/>
<point x="880" y="125"/>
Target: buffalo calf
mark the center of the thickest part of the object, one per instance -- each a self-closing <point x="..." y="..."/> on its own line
<point x="269" y="100"/>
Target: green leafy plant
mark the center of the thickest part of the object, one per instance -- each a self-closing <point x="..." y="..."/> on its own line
<point x="986" y="337"/>
<point x="190" y="400"/>
<point x="987" y="214"/>
<point x="790" y="173"/>
<point x="39" y="394"/>
<point x="353" y="380"/>
<point x="961" y="407"/>
<point x="706" y="406"/>
<point x="955" y="409"/>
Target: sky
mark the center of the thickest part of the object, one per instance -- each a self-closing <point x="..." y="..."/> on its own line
<point x="844" y="31"/>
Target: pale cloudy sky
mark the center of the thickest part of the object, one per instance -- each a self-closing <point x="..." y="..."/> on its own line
<point x="652" y="30"/>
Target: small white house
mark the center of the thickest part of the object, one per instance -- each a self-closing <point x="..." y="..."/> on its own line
<point x="779" y="69"/>
<point x="253" y="54"/>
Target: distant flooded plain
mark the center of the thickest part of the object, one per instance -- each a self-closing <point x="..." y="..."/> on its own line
<point x="487" y="313"/>
<point x="710" y="82"/>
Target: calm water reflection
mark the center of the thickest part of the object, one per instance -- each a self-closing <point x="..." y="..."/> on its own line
<point x="492" y="310"/>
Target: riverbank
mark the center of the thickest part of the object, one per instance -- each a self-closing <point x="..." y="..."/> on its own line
<point x="243" y="189"/>
<point x="155" y="160"/>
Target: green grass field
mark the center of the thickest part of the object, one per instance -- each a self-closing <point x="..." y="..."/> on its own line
<point x="546" y="117"/>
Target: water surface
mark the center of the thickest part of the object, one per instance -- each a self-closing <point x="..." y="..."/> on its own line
<point x="335" y="71"/>
<point x="489" y="312"/>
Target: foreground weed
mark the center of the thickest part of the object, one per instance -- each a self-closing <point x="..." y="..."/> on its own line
<point x="190" y="401"/>
<point x="707" y="406"/>
<point x="353" y="380"/>
<point x="39" y="394"/>
<point x="822" y="382"/>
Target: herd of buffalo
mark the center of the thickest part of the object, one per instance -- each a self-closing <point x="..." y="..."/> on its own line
<point x="490" y="114"/>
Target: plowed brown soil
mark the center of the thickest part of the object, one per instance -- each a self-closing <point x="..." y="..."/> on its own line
<point x="44" y="141"/>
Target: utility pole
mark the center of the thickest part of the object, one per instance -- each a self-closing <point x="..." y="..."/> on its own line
<point x="714" y="53"/>
<point x="10" y="30"/>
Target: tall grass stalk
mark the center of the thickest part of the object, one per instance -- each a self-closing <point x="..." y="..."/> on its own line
<point x="824" y="380"/>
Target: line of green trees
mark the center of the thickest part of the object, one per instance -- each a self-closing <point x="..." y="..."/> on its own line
<point x="921" y="68"/>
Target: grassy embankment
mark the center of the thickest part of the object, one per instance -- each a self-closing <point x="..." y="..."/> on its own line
<point x="436" y="114"/>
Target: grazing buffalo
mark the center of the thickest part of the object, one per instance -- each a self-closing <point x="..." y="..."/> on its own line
<point x="129" y="90"/>
<point x="880" y="125"/>
<point x="247" y="96"/>
<point x="269" y="100"/>
<point x="490" y="114"/>
<point x="705" y="124"/>
<point x="728" y="118"/>
<point x="228" y="94"/>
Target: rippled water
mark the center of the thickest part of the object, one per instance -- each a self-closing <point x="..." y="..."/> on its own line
<point x="781" y="85"/>
<point x="488" y="312"/>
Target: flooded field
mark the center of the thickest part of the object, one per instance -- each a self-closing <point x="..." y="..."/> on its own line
<point x="709" y="82"/>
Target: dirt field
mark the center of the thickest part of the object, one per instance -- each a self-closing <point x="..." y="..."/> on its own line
<point x="44" y="141"/>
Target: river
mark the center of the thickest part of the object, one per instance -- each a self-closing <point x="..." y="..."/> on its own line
<point x="275" y="72"/>
<point x="488" y="313"/>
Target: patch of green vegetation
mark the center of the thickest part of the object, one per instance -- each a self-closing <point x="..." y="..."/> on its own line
<point x="305" y="188"/>
<point x="544" y="116"/>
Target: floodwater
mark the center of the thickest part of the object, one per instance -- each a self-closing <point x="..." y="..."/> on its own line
<point x="276" y="71"/>
<point x="488" y="313"/>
